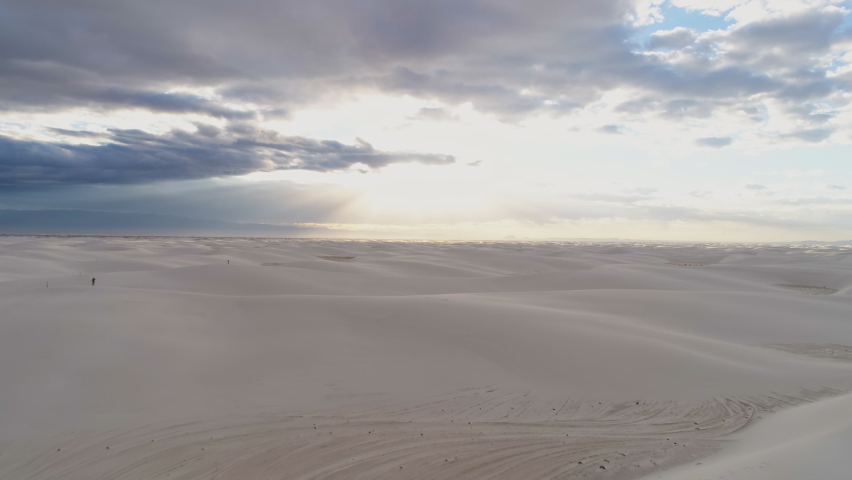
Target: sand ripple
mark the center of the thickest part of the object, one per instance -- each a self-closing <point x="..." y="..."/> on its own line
<point x="477" y="433"/>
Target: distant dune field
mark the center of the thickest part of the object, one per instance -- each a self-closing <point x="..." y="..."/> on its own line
<point x="212" y="358"/>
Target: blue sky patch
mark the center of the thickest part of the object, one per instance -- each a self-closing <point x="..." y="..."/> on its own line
<point x="674" y="17"/>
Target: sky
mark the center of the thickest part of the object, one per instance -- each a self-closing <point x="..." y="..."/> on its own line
<point x="680" y="120"/>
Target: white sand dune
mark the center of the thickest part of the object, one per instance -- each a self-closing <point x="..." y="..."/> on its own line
<point x="811" y="441"/>
<point x="360" y="359"/>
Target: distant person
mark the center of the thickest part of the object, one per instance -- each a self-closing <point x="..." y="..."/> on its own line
<point x="229" y="261"/>
<point x="93" y="281"/>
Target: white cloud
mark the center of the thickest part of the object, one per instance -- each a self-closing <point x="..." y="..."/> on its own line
<point x="529" y="88"/>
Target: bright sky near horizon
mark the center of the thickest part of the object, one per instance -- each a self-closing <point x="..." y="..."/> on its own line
<point x="695" y="120"/>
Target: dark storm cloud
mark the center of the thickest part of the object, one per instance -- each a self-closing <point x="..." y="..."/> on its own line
<point x="134" y="156"/>
<point x="280" y="50"/>
<point x="222" y="199"/>
<point x="266" y="58"/>
<point x="507" y="57"/>
<point x="171" y="103"/>
<point x="271" y="56"/>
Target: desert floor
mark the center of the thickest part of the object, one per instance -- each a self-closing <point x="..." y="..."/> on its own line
<point x="210" y="358"/>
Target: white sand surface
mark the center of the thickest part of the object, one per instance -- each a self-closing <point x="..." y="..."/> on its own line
<point x="317" y="359"/>
<point x="812" y="441"/>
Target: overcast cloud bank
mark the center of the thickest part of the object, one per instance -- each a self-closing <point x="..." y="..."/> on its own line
<point x="207" y="80"/>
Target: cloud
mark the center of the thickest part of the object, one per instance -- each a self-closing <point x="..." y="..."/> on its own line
<point x="287" y="202"/>
<point x="677" y="38"/>
<point x="815" y="201"/>
<point x="810" y="113"/>
<point x="714" y="8"/>
<point x="811" y="135"/>
<point x="776" y="74"/>
<point x="215" y="199"/>
<point x="434" y="115"/>
<point x="835" y="187"/>
<point x="610" y="198"/>
<point x="134" y="156"/>
<point x="278" y="52"/>
<point x="808" y="31"/>
<point x="610" y="129"/>
<point x="714" y="142"/>
<point x="169" y="103"/>
<point x="84" y="222"/>
<point x="504" y="57"/>
<point x="543" y="212"/>
<point x="641" y="190"/>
